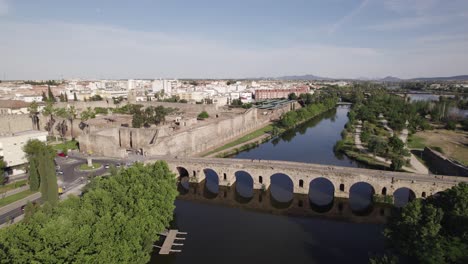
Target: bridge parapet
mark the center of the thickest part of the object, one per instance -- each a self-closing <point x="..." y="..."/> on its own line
<point x="301" y="174"/>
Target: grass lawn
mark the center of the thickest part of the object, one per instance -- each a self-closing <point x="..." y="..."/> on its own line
<point x="12" y="186"/>
<point x="453" y="144"/>
<point x="86" y="167"/>
<point x="416" y="142"/>
<point x="255" y="134"/>
<point x="15" y="197"/>
<point x="67" y="144"/>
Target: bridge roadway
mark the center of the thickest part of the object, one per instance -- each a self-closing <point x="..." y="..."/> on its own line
<point x="302" y="174"/>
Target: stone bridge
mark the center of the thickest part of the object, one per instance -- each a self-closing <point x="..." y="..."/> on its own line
<point x="301" y="175"/>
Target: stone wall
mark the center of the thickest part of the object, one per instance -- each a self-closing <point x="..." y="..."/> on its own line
<point x="439" y="164"/>
<point x="166" y="141"/>
<point x="201" y="138"/>
<point x="14" y="123"/>
<point x="301" y="174"/>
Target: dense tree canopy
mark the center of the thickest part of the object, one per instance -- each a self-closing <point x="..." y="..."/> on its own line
<point x="42" y="169"/>
<point x="116" y="221"/>
<point x="434" y="230"/>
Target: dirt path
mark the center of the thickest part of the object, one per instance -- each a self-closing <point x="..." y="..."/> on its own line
<point x="416" y="165"/>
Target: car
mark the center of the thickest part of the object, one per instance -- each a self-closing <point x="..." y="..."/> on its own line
<point x="60" y="172"/>
<point x="61" y="154"/>
<point x="106" y="166"/>
<point x="117" y="165"/>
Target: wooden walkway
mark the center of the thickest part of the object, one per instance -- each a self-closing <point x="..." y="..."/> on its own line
<point x="171" y="237"/>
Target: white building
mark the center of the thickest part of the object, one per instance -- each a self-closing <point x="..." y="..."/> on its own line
<point x="130" y="84"/>
<point x="165" y="85"/>
<point x="11" y="149"/>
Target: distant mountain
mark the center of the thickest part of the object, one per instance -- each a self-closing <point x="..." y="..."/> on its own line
<point x="451" y="78"/>
<point x="390" y="79"/>
<point x="303" y="77"/>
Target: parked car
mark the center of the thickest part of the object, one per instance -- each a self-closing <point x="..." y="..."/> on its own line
<point x="106" y="166"/>
<point x="61" y="154"/>
<point x="117" y="165"/>
<point x="60" y="172"/>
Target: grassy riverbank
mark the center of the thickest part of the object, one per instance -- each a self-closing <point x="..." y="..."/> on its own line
<point x="256" y="134"/>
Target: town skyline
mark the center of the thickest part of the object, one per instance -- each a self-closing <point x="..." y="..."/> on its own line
<point x="336" y="39"/>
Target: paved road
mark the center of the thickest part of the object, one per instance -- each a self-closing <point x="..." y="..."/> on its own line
<point x="69" y="179"/>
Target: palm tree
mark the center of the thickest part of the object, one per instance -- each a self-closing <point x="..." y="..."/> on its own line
<point x="71" y="116"/>
<point x="49" y="111"/>
<point x="32" y="109"/>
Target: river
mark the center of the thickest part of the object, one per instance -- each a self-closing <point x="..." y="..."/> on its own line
<point x="240" y="225"/>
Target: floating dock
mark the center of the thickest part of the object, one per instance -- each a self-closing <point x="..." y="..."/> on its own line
<point x="169" y="242"/>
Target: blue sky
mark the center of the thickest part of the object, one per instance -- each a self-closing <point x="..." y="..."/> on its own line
<point x="232" y="39"/>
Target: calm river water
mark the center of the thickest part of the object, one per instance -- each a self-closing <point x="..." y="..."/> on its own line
<point x="240" y="225"/>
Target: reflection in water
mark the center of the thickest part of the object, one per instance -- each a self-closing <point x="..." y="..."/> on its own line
<point x="257" y="231"/>
<point x="211" y="181"/>
<point x="281" y="188"/>
<point x="311" y="142"/>
<point x="321" y="192"/>
<point x="402" y="196"/>
<point x="361" y="197"/>
<point x="244" y="184"/>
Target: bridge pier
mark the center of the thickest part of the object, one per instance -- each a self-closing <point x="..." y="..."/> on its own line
<point x="302" y="174"/>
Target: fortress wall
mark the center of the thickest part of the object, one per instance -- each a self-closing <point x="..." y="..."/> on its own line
<point x="202" y="138"/>
<point x="442" y="165"/>
<point x="15" y="123"/>
<point x="189" y="108"/>
<point x="102" y="144"/>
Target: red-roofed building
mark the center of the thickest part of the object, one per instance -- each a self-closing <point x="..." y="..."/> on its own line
<point x="263" y="94"/>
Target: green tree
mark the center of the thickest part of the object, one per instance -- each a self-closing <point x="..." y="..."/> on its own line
<point x="44" y="97"/>
<point x="292" y="96"/>
<point x="51" y="95"/>
<point x="87" y="114"/>
<point x="33" y="112"/>
<point x="41" y="157"/>
<point x="433" y="230"/>
<point x="2" y="171"/>
<point x="49" y="111"/>
<point x="105" y="225"/>
<point x="203" y="115"/>
<point x="397" y="163"/>
<point x="34" y="180"/>
<point x="75" y="98"/>
<point x="137" y="119"/>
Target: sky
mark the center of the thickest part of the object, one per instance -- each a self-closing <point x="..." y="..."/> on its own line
<point x="113" y="39"/>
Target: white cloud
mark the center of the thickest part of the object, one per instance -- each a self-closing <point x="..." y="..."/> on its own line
<point x="49" y="50"/>
<point x="3" y="7"/>
<point x="348" y="17"/>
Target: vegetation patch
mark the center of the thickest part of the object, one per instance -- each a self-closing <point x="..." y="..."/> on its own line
<point x="94" y="166"/>
<point x="257" y="133"/>
<point x="416" y="142"/>
<point x="67" y="145"/>
<point x="117" y="220"/>
<point x="12" y="186"/>
<point x="15" y="197"/>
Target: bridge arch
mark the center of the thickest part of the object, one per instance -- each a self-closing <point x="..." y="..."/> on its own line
<point x="183" y="180"/>
<point x="361" y="196"/>
<point x="321" y="194"/>
<point x="244" y="184"/>
<point x="211" y="181"/>
<point x="402" y="196"/>
<point x="281" y="187"/>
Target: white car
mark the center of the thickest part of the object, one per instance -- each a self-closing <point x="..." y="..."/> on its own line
<point x="106" y="166"/>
